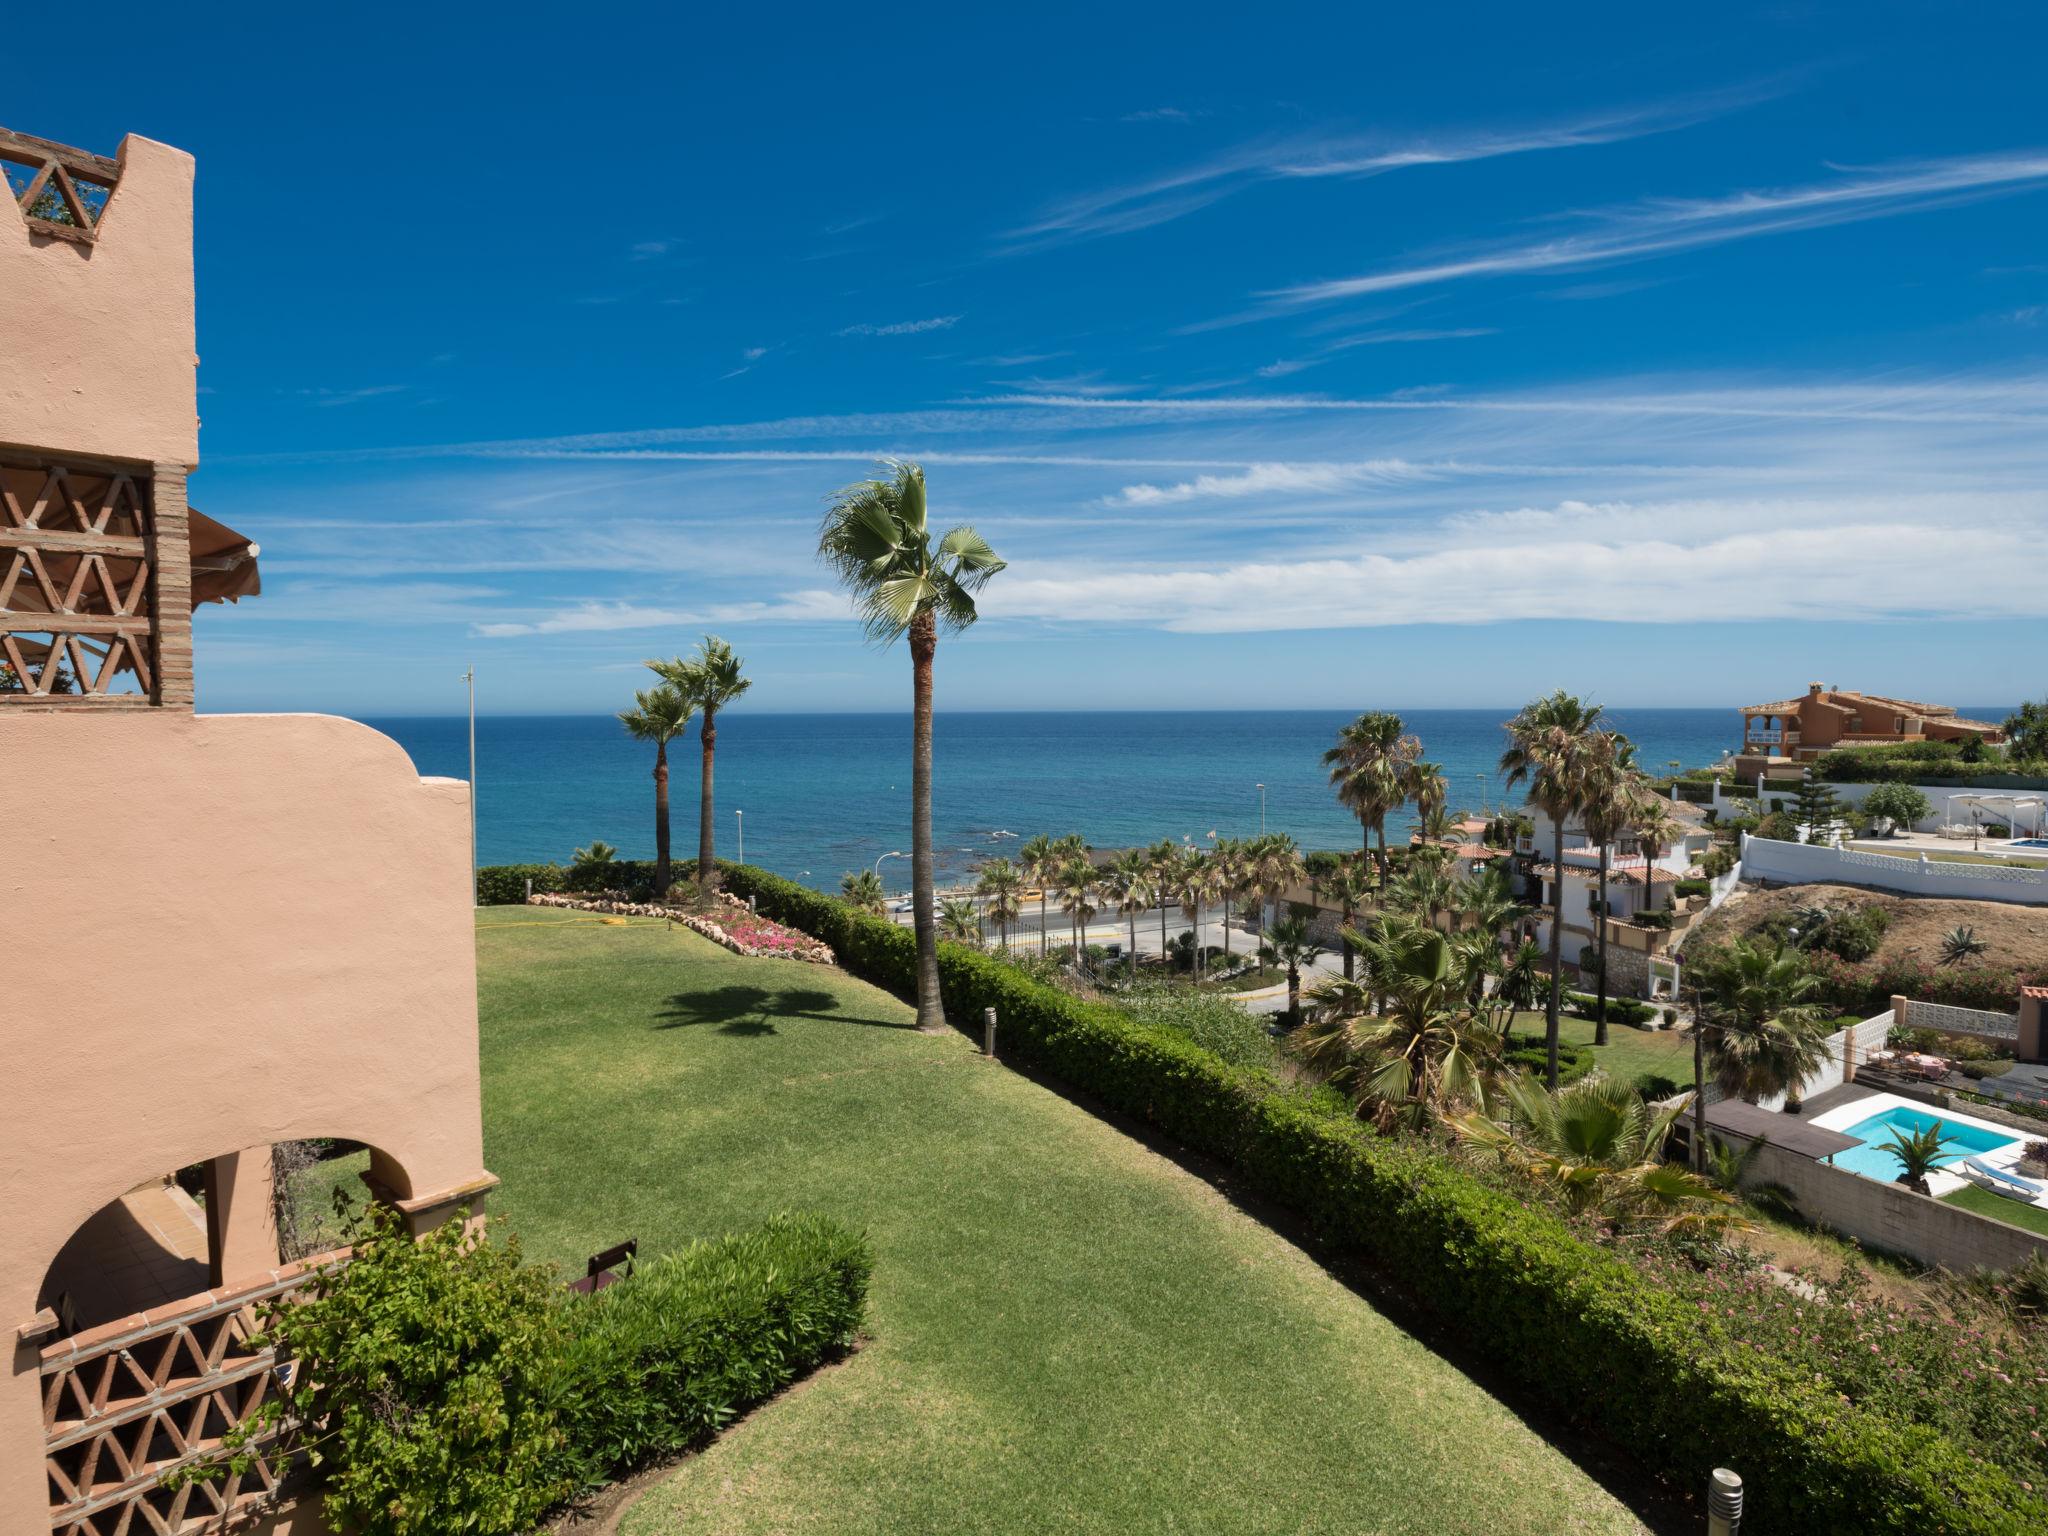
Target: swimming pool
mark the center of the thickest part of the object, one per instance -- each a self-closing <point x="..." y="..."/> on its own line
<point x="1875" y="1160"/>
<point x="2031" y="842"/>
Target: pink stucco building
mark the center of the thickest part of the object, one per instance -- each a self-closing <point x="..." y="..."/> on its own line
<point x="226" y="932"/>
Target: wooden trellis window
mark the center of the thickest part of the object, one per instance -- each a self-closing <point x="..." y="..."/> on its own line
<point x="89" y="612"/>
<point x="61" y="191"/>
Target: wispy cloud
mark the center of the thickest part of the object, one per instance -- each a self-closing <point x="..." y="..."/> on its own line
<point x="610" y="617"/>
<point x="902" y="327"/>
<point x="353" y="396"/>
<point x="1141" y="205"/>
<point x="1663" y="226"/>
<point x="649" y="250"/>
<point x="1158" y="115"/>
<point x="1286" y="366"/>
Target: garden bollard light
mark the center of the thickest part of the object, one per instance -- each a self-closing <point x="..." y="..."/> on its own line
<point x="1724" y="1503"/>
<point x="529" y="888"/>
<point x="988" y="1032"/>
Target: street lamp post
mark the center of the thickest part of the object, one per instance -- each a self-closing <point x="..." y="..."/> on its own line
<point x="1481" y="777"/>
<point x="740" y="819"/>
<point x="894" y="854"/>
<point x="1262" y="810"/>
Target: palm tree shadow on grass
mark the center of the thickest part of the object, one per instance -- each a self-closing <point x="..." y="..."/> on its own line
<point x="740" y="1010"/>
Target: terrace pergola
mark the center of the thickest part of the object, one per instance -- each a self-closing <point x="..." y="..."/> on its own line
<point x="1975" y="805"/>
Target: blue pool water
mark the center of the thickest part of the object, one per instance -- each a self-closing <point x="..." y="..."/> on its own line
<point x="1875" y="1160"/>
<point x="2032" y="842"/>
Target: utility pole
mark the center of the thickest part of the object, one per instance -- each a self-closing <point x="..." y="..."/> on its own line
<point x="1262" y="810"/>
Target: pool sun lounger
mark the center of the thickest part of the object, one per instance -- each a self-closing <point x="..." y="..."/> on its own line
<point x="2001" y="1182"/>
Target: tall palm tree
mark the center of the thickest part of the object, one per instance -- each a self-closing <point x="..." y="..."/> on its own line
<point x="1164" y="858"/>
<point x="1430" y="791"/>
<point x="1763" y="1035"/>
<point x="1000" y="885"/>
<point x="659" y="714"/>
<point x="1037" y="859"/>
<point x="862" y="890"/>
<point x="1369" y="768"/>
<point x="1349" y="887"/>
<point x="711" y="679"/>
<point x="1607" y="809"/>
<point x="1226" y="861"/>
<point x="1276" y="868"/>
<point x="875" y="537"/>
<point x="1547" y="750"/>
<point x="1075" y="881"/>
<point x="1194" y="882"/>
<point x="1129" y="884"/>
<point x="1289" y="945"/>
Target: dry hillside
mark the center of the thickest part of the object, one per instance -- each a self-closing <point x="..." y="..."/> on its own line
<point x="2017" y="936"/>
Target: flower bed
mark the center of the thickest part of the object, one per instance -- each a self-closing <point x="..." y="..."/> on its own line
<point x="730" y="924"/>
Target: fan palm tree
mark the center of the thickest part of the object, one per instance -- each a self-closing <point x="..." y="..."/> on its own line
<point x="1226" y="860"/>
<point x="1037" y="860"/>
<point x="1276" y="867"/>
<point x="1000" y="886"/>
<point x="1075" y="881"/>
<point x="960" y="920"/>
<point x="1289" y="945"/>
<point x="1547" y="749"/>
<point x="1919" y="1153"/>
<point x="1598" y="1147"/>
<point x="1607" y="809"/>
<point x="1427" y="1053"/>
<point x="1763" y="1033"/>
<point x="876" y="539"/>
<point x="659" y="714"/>
<point x="1430" y="791"/>
<point x="862" y="890"/>
<point x="1369" y="768"/>
<point x="1128" y="884"/>
<point x="711" y="679"/>
<point x="1349" y="887"/>
<point x="597" y="856"/>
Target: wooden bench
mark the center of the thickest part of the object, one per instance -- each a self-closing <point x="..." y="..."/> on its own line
<point x="604" y="1268"/>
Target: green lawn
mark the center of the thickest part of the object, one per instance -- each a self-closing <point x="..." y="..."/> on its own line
<point x="1069" y="1332"/>
<point x="1629" y="1051"/>
<point x="2011" y="1212"/>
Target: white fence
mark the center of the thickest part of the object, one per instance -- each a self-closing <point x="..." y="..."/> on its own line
<point x="1951" y="1020"/>
<point x="1806" y="864"/>
<point x="1723" y="799"/>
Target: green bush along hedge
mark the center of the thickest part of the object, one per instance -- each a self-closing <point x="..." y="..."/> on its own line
<point x="1578" y="1328"/>
<point x="661" y="1362"/>
<point x="504" y="885"/>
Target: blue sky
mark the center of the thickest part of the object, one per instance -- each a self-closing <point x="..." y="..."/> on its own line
<point x="1294" y="356"/>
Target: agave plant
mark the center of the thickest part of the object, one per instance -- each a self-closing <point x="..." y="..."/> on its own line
<point x="1961" y="943"/>
<point x="1595" y="1147"/>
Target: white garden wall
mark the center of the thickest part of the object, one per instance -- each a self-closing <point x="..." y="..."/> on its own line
<point x="1806" y="864"/>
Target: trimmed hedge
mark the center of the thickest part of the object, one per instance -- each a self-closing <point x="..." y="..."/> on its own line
<point x="1620" y="1010"/>
<point x="666" y="1360"/>
<point x="504" y="885"/>
<point x="1577" y="1327"/>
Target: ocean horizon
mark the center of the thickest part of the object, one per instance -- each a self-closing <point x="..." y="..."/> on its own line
<point x="820" y="794"/>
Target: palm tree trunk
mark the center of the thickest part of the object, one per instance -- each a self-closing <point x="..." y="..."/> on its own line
<point x="1600" y="1018"/>
<point x="661" y="869"/>
<point x="1383" y="852"/>
<point x="707" y="734"/>
<point x="1345" y="944"/>
<point x="924" y="644"/>
<point x="1226" y="930"/>
<point x="1133" y="962"/>
<point x="1556" y="953"/>
<point x="1293" y="997"/>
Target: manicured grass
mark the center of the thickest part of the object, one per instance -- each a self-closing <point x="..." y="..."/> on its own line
<point x="1069" y="1332"/>
<point x="1629" y="1051"/>
<point x="1985" y="1203"/>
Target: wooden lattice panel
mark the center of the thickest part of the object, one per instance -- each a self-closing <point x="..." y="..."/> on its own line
<point x="130" y="1401"/>
<point x="76" y="579"/>
<point x="61" y="191"/>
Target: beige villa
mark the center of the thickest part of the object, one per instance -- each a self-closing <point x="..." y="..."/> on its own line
<point x="226" y="932"/>
<point x="1795" y="731"/>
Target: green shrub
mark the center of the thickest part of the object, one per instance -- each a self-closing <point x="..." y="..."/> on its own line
<point x="1208" y="1019"/>
<point x="1577" y="1327"/>
<point x="1620" y="1010"/>
<point x="667" y="1359"/>
<point x="1993" y="1067"/>
<point x="1694" y="888"/>
<point x="504" y="885"/>
<point x="1652" y="1086"/>
<point x="428" y="1382"/>
<point x="1528" y="1053"/>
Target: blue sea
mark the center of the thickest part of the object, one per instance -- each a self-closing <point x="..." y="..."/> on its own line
<point x="819" y="795"/>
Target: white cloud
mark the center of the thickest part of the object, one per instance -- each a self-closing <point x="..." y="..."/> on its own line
<point x="599" y="617"/>
<point x="1141" y="205"/>
<point x="902" y="327"/>
<point x="1662" y="226"/>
